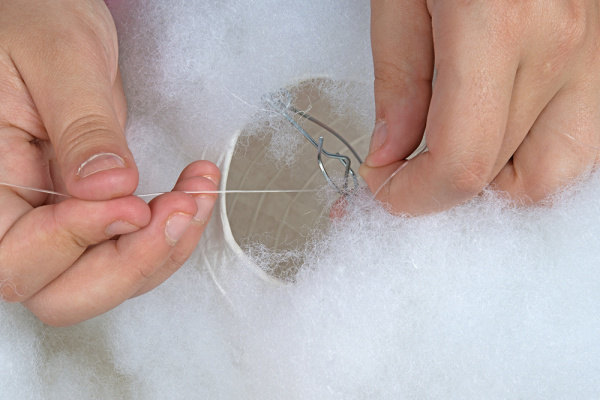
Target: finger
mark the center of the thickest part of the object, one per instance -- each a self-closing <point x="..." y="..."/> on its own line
<point x="74" y="91"/>
<point x="562" y="145"/>
<point x="198" y="176"/>
<point x="23" y="161"/>
<point x="43" y="242"/>
<point x="111" y="272"/>
<point x="403" y="65"/>
<point x="467" y="116"/>
<point x="543" y="71"/>
<point x="532" y="91"/>
<point x="202" y="168"/>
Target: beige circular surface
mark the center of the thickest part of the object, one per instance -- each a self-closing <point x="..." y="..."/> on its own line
<point x="286" y="221"/>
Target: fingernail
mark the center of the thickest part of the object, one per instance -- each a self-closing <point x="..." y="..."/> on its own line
<point x="212" y="178"/>
<point x="176" y="226"/>
<point x="205" y="206"/>
<point x="379" y="135"/>
<point x="120" y="228"/>
<point x="100" y="162"/>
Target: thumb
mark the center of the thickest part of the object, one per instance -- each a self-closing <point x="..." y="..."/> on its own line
<point x="402" y="45"/>
<point x="71" y="72"/>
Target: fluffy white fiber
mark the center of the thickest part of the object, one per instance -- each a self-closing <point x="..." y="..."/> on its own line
<point x="483" y="301"/>
<point x="199" y="69"/>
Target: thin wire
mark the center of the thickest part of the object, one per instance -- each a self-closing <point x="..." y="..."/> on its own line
<point x="283" y="108"/>
<point x="161" y="193"/>
<point x="312" y="119"/>
<point x="234" y="191"/>
<point x="389" y="178"/>
<point x="582" y="143"/>
<point x="12" y="185"/>
<point x="400" y="168"/>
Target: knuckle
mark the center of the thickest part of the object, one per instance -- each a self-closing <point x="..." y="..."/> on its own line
<point x="176" y="260"/>
<point x="575" y="23"/>
<point x="84" y="133"/>
<point x="505" y="21"/>
<point x="471" y="177"/>
<point x="141" y="269"/>
<point x="78" y="241"/>
<point x="138" y="266"/>
<point x="569" y="35"/>
<point x="141" y="272"/>
<point x="393" y="76"/>
<point x="67" y="238"/>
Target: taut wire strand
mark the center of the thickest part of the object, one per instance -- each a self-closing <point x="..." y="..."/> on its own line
<point x="12" y="185"/>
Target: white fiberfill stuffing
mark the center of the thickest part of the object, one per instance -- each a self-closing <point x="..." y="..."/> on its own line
<point x="483" y="301"/>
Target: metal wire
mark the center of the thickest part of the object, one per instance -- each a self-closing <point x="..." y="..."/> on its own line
<point x="283" y="108"/>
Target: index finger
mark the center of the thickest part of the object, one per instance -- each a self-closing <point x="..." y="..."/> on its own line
<point x="467" y="115"/>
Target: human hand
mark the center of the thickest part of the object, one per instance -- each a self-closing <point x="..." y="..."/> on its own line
<point x="62" y="115"/>
<point x="516" y="101"/>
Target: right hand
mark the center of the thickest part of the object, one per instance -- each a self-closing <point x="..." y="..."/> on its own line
<point x="515" y="102"/>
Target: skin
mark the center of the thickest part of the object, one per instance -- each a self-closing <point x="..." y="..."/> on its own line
<point x="515" y="105"/>
<point x="62" y="117"/>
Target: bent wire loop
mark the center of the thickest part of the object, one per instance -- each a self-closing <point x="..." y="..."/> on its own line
<point x="285" y="108"/>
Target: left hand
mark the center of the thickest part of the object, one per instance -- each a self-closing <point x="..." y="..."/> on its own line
<point x="62" y="119"/>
